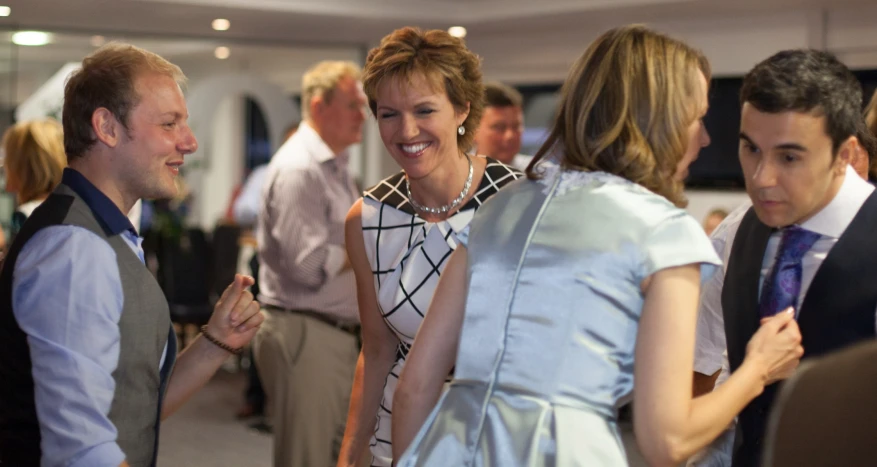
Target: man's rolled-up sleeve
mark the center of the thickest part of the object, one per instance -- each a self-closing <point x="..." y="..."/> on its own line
<point x="67" y="298"/>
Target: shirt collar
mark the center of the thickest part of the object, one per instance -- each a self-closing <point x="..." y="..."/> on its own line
<point x="834" y="218"/>
<point x="320" y="151"/>
<point x="107" y="213"/>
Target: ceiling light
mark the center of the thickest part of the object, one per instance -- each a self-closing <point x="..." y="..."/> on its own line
<point x="221" y="24"/>
<point x="222" y="53"/>
<point x="98" y="41"/>
<point x="31" y="38"/>
<point x="457" y="31"/>
<point x="5" y="11"/>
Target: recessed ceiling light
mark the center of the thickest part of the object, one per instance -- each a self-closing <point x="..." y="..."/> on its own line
<point x="221" y="24"/>
<point x="98" y="41"/>
<point x="32" y="38"/>
<point x="221" y="53"/>
<point x="5" y="11"/>
<point x="457" y="31"/>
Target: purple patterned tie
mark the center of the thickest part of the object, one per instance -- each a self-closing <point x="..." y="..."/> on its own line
<point x="783" y="283"/>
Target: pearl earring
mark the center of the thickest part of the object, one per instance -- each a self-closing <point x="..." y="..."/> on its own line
<point x="461" y="130"/>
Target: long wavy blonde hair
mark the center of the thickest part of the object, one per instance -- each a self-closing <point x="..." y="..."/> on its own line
<point x="626" y="107"/>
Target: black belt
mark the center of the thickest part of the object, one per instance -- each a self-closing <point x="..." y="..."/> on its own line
<point x="331" y="321"/>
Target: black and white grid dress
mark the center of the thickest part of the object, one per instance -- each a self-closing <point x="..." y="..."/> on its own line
<point x="407" y="255"/>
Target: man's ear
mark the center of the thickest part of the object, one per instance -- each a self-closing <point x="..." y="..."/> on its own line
<point x="316" y="106"/>
<point x="859" y="160"/>
<point x="107" y="129"/>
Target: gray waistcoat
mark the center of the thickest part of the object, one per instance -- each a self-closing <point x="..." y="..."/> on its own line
<point x="145" y="330"/>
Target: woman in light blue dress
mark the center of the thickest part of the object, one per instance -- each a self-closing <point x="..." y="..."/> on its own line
<point x="571" y="285"/>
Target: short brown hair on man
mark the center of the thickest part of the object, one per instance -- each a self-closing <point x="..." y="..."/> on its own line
<point x="106" y="80"/>
<point x="322" y="79"/>
<point x="442" y="59"/>
<point x="34" y="157"/>
<point x="497" y="94"/>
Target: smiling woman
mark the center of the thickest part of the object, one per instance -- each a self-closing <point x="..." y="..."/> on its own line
<point x="425" y="89"/>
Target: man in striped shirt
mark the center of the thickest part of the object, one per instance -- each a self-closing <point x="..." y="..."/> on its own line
<point x="307" y="349"/>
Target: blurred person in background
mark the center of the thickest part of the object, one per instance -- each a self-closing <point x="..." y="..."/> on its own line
<point x="245" y="211"/>
<point x="33" y="160"/>
<point x="246" y="205"/>
<point x="713" y="219"/>
<point x="306" y="351"/>
<point x="502" y="126"/>
<point x="867" y="168"/>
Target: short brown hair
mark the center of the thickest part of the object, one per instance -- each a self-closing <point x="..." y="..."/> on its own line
<point x="441" y="59"/>
<point x="626" y="107"/>
<point x="497" y="94"/>
<point x="34" y="157"/>
<point x="322" y="79"/>
<point x="107" y="80"/>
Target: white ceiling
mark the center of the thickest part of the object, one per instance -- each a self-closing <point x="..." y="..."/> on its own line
<point x="449" y="11"/>
<point x="362" y="21"/>
<point x="280" y="38"/>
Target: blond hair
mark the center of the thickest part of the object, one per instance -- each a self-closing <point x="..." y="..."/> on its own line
<point x="626" y="108"/>
<point x="322" y="79"/>
<point x="441" y="59"/>
<point x="34" y="157"/>
<point x="107" y="80"/>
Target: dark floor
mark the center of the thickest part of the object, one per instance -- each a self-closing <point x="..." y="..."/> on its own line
<point x="205" y="432"/>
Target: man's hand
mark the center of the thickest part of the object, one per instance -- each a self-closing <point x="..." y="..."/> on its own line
<point x="236" y="317"/>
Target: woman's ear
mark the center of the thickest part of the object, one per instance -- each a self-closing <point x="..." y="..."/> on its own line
<point x="462" y="115"/>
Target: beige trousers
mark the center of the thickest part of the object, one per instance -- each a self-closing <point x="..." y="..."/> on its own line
<point x="307" y="369"/>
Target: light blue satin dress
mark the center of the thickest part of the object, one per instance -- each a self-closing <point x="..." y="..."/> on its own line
<point x="546" y="353"/>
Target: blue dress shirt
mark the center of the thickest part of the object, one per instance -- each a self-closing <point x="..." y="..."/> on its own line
<point x="67" y="297"/>
<point x="246" y="207"/>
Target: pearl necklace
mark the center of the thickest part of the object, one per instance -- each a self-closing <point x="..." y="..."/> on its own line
<point x="453" y="204"/>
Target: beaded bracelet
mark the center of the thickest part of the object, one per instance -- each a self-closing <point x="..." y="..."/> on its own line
<point x="220" y="344"/>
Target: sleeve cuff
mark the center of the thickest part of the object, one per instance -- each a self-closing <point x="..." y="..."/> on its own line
<point x="335" y="258"/>
<point x="106" y="454"/>
<point x="707" y="359"/>
<point x="706" y="367"/>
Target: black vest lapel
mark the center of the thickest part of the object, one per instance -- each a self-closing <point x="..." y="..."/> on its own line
<point x="740" y="290"/>
<point x="740" y="311"/>
<point x="839" y="307"/>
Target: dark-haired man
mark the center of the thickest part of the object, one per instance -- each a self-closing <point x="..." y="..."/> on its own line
<point x="806" y="234"/>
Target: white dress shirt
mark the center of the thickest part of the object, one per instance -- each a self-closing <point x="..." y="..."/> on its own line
<point x="710" y="354"/>
<point x="307" y="192"/>
<point x="829" y="223"/>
